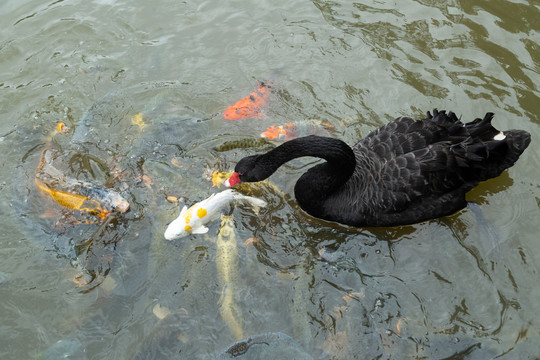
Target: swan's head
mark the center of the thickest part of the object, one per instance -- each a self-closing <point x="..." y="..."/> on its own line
<point x="233" y="180"/>
<point x="246" y="171"/>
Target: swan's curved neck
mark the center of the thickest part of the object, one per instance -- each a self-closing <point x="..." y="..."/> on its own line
<point x="313" y="187"/>
<point x="337" y="153"/>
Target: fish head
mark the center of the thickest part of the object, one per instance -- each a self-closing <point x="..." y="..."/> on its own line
<point x="112" y="201"/>
<point x="177" y="228"/>
<point x="272" y="132"/>
<point x="119" y="204"/>
<point x="219" y="177"/>
<point x="190" y="221"/>
<point x="226" y="229"/>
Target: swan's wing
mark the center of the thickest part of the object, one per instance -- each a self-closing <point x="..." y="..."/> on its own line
<point x="402" y="183"/>
<point x="412" y="170"/>
<point x="436" y="170"/>
<point x="401" y="190"/>
<point x="412" y="160"/>
<point x="404" y="134"/>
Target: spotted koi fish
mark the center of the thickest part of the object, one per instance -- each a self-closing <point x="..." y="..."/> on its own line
<point x="83" y="196"/>
<point x="194" y="219"/>
<point x="251" y="106"/>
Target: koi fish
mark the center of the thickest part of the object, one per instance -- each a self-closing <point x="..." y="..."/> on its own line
<point x="83" y="196"/>
<point x="292" y="131"/>
<point x="166" y="338"/>
<point x="137" y="119"/>
<point x="60" y="128"/>
<point x="194" y="219"/>
<point x="283" y="132"/>
<point x="251" y="106"/>
<point x="227" y="271"/>
<point x="218" y="178"/>
<point x="64" y="349"/>
<point x="242" y="144"/>
<point x="265" y="346"/>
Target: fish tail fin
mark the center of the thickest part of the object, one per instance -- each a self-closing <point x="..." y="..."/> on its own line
<point x="274" y="75"/>
<point x="255" y="203"/>
<point x="276" y="72"/>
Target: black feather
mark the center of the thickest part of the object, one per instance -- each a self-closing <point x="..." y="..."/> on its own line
<point x="404" y="172"/>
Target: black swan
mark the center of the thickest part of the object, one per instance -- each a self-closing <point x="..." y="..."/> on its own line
<point x="405" y="172"/>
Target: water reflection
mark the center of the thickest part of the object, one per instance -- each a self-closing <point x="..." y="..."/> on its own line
<point x="430" y="45"/>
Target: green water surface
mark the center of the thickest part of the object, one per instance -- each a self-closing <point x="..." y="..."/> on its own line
<point x="461" y="287"/>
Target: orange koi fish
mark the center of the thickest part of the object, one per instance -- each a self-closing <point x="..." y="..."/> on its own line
<point x="74" y="194"/>
<point x="292" y="131"/>
<point x="284" y="132"/>
<point x="251" y="106"/>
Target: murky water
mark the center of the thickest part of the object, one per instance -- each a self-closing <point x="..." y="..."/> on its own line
<point x="461" y="287"/>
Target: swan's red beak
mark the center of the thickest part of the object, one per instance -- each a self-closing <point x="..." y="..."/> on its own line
<point x="233" y="180"/>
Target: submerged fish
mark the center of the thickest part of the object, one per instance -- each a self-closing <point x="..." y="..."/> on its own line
<point x="292" y="131"/>
<point x="60" y="128"/>
<point x="64" y="349"/>
<point x="251" y="106"/>
<point x="166" y="338"/>
<point x="245" y="143"/>
<point x="83" y="196"/>
<point x="227" y="271"/>
<point x="194" y="219"/>
<point x="217" y="177"/>
<point x="265" y="346"/>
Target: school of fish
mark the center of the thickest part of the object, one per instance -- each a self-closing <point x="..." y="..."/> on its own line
<point x="99" y="201"/>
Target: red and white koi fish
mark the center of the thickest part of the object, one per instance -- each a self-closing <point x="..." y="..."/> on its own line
<point x="194" y="219"/>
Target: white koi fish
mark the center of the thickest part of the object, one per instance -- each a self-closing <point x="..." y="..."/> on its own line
<point x="194" y="219"/>
<point x="227" y="271"/>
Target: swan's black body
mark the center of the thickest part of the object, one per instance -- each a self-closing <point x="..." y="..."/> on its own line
<point x="405" y="172"/>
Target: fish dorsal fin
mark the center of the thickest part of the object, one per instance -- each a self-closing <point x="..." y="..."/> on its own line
<point x="200" y="230"/>
<point x="184" y="209"/>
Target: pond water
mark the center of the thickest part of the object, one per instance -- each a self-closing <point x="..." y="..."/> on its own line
<point x="141" y="86"/>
